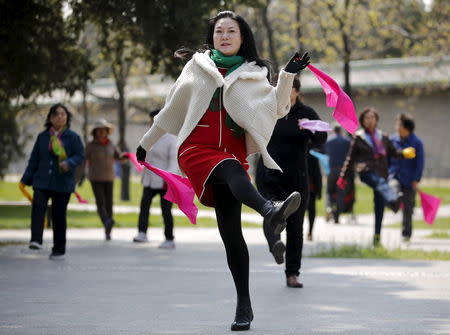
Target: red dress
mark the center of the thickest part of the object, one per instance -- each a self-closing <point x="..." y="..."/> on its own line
<point x="210" y="143"/>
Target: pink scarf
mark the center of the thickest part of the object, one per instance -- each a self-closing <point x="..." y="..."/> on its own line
<point x="378" y="147"/>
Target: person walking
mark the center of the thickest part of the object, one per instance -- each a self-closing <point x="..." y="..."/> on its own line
<point x="338" y="200"/>
<point x="408" y="173"/>
<point x="162" y="155"/>
<point x="289" y="147"/>
<point x="56" y="153"/>
<point x="222" y="109"/>
<point x="101" y="155"/>
<point x="368" y="154"/>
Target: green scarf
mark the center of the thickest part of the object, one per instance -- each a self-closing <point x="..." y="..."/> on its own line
<point x="226" y="62"/>
<point x="56" y="146"/>
<point x="231" y="63"/>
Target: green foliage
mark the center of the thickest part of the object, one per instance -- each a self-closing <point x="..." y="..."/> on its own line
<point x="9" y="137"/>
<point x="38" y="55"/>
<point x="355" y="251"/>
<point x="440" y="234"/>
<point x="169" y="25"/>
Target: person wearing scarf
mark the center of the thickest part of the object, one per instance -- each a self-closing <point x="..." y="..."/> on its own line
<point x="369" y="153"/>
<point x="101" y="156"/>
<point x="51" y="172"/>
<point x="222" y="108"/>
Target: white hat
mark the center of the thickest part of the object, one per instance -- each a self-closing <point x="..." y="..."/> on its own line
<point x="101" y="123"/>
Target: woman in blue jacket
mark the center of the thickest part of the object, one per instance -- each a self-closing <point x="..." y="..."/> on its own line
<point x="51" y="172"/>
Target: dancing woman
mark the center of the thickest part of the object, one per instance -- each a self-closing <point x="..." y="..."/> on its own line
<point x="222" y="109"/>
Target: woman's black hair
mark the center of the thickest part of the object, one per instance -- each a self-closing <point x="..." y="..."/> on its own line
<point x="296" y="84"/>
<point x="248" y="48"/>
<point x="365" y="111"/>
<point x="407" y="121"/>
<point x="52" y="111"/>
<point x="153" y="113"/>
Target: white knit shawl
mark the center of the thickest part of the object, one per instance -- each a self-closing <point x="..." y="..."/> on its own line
<point x="248" y="97"/>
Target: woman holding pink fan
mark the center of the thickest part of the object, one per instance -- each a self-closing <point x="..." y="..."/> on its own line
<point x="222" y="109"/>
<point x="369" y="152"/>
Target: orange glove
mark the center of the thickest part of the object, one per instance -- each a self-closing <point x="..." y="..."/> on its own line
<point x="341" y="183"/>
<point x="409" y="153"/>
<point x="25" y="192"/>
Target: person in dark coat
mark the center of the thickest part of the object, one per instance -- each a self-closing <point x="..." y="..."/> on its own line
<point x="289" y="147"/>
<point x="407" y="172"/>
<point x="315" y="191"/>
<point x="338" y="200"/>
<point x="51" y="171"/>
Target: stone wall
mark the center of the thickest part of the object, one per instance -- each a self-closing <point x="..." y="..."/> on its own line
<point x="431" y="112"/>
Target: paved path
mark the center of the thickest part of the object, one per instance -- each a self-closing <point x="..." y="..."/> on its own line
<point x="120" y="287"/>
<point x="123" y="288"/>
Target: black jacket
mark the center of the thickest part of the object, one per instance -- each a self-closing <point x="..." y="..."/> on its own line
<point x="289" y="147"/>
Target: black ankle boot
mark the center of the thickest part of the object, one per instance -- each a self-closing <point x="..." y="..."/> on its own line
<point x="244" y="315"/>
<point x="281" y="210"/>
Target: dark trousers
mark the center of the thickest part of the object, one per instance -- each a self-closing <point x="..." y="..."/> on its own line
<point x="59" y="217"/>
<point x="382" y="193"/>
<point x="335" y="195"/>
<point x="103" y="192"/>
<point x="166" y="209"/>
<point x="311" y="211"/>
<point x="409" y="201"/>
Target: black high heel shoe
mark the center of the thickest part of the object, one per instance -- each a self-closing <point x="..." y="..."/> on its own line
<point x="244" y="315"/>
<point x="280" y="211"/>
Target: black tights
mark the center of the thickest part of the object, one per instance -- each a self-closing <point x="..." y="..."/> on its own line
<point x="232" y="187"/>
<point x="311" y="211"/>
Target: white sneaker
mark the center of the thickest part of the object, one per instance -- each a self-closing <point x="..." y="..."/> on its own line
<point x="167" y="244"/>
<point x="56" y="256"/>
<point x="35" y="245"/>
<point x="140" y="237"/>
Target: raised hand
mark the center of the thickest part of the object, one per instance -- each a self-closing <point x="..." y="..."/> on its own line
<point x="297" y="63"/>
<point x="141" y="153"/>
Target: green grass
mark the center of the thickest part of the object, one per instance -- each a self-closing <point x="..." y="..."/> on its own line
<point x="7" y="243"/>
<point x="9" y="191"/>
<point x="18" y="217"/>
<point x="355" y="251"/>
<point x="440" y="234"/>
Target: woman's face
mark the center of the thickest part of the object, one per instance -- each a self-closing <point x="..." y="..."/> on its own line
<point x="59" y="118"/>
<point x="227" y="36"/>
<point x="101" y="133"/>
<point x="402" y="131"/>
<point x="370" y="120"/>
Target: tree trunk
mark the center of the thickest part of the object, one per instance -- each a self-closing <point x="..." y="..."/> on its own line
<point x="347" y="85"/>
<point x="125" y="189"/>
<point x="270" y="40"/>
<point x="347" y="56"/>
<point x="298" y="30"/>
<point x="85" y="116"/>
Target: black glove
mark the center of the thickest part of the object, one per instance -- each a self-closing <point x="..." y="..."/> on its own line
<point x="141" y="153"/>
<point x="296" y="64"/>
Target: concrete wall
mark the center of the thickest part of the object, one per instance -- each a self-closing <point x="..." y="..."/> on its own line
<point x="432" y="114"/>
<point x="432" y="117"/>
